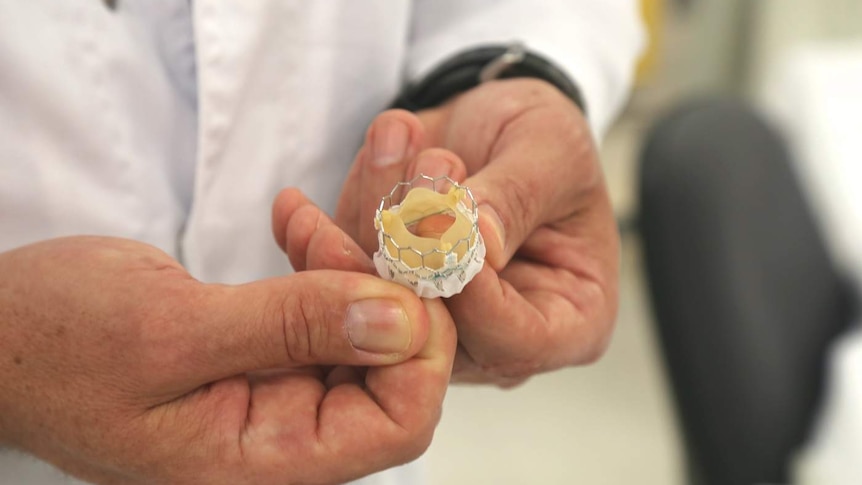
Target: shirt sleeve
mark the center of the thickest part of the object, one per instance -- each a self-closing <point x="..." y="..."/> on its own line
<point x="596" y="42"/>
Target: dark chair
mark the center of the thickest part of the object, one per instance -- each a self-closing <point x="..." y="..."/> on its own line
<point x="745" y="296"/>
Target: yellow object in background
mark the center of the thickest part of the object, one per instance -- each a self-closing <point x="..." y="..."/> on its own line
<point x="653" y="12"/>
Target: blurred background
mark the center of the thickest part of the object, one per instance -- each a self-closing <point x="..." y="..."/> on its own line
<point x="735" y="263"/>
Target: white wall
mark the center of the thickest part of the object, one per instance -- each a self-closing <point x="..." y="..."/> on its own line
<point x="732" y="42"/>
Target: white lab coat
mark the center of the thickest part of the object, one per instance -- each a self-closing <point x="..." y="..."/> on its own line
<point x="175" y="123"/>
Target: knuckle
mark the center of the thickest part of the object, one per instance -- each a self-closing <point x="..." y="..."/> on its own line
<point x="303" y="329"/>
<point x="518" y="95"/>
<point x="412" y="444"/>
<point x="163" y="348"/>
<point x="409" y="438"/>
<point x="502" y="372"/>
<point x="518" y="358"/>
<point x="592" y="355"/>
<point x="540" y="92"/>
<point x="594" y="349"/>
<point x="521" y="205"/>
<point x="598" y="323"/>
<point x="420" y="444"/>
<point x="524" y="193"/>
<point x="306" y="220"/>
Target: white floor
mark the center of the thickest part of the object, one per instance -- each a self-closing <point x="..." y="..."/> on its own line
<point x="608" y="424"/>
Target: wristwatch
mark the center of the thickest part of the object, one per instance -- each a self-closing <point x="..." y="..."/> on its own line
<point x="471" y="68"/>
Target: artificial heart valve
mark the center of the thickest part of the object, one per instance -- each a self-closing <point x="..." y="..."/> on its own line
<point x="429" y="239"/>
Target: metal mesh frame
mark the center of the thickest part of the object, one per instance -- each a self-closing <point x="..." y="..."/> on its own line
<point x="452" y="264"/>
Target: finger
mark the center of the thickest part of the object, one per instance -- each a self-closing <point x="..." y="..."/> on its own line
<point x="285" y="204"/>
<point x="579" y="314"/>
<point x="466" y="371"/>
<point x="392" y="140"/>
<point x="497" y="326"/>
<point x="331" y="248"/>
<point x="347" y="210"/>
<point x="312" y="240"/>
<point x="401" y="405"/>
<point x="353" y="426"/>
<point x="314" y="317"/>
<point x="555" y="310"/>
<point x="437" y="162"/>
<point x="429" y="371"/>
<point x="533" y="178"/>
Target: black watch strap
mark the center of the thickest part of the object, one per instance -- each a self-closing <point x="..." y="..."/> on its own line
<point x="470" y="68"/>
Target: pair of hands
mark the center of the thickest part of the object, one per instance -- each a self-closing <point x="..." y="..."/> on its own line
<point x="118" y="367"/>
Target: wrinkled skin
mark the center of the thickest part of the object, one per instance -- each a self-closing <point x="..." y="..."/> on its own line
<point x="118" y="367"/>
<point x="547" y="296"/>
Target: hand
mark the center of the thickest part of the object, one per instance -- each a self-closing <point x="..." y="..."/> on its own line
<point x="118" y="367"/>
<point x="548" y="294"/>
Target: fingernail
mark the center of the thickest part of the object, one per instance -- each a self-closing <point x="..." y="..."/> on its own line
<point x="488" y="213"/>
<point x="390" y="143"/>
<point x="379" y="326"/>
<point x="432" y="166"/>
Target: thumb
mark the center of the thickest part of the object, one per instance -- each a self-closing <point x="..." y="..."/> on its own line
<point x="309" y="318"/>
